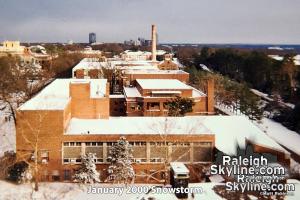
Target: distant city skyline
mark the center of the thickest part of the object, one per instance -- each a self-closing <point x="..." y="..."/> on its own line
<point x="194" y="21"/>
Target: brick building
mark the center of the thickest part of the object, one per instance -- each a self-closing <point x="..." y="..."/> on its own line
<point x="130" y="75"/>
<point x="149" y="97"/>
<point x="70" y="117"/>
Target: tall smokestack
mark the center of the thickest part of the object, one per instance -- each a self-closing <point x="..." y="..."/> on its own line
<point x="153" y="42"/>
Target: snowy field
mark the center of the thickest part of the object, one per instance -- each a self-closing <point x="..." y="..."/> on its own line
<point x="7" y="132"/>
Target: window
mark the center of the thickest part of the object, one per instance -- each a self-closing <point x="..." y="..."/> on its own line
<point x="203" y="144"/>
<point x="110" y="143"/>
<point x="72" y="144"/>
<point x="99" y="160"/>
<point x="159" y="143"/>
<point x="66" y="144"/>
<point x="99" y="143"/>
<point x="78" y="143"/>
<point x="132" y="107"/>
<point x="67" y="175"/>
<point x="137" y="143"/>
<point x="156" y="160"/>
<point x="44" y="155"/>
<point x="139" y="160"/>
<point x="178" y="144"/>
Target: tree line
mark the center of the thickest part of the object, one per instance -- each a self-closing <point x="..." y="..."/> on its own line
<point x="256" y="69"/>
<point x="235" y="72"/>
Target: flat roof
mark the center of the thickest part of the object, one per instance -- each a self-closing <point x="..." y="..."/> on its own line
<point x="179" y="168"/>
<point x="229" y="131"/>
<point x="116" y="96"/>
<point x="83" y="64"/>
<point x="56" y="95"/>
<point x="197" y="93"/>
<point x="166" y="92"/>
<point x="131" y="92"/>
<point x="153" y="71"/>
<point x="167" y="84"/>
<point x="119" y="64"/>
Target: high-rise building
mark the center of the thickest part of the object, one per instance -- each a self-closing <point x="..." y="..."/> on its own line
<point x="92" y="38"/>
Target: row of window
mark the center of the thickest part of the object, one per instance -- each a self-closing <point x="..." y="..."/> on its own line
<point x="100" y="160"/>
<point x="78" y="144"/>
<point x="137" y="143"/>
<point x="78" y="160"/>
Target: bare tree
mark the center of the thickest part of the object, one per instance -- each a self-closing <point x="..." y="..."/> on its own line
<point x="164" y="128"/>
<point x="30" y="131"/>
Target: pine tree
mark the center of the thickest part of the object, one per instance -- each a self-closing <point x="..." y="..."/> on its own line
<point x="120" y="158"/>
<point x="180" y="106"/>
<point x="87" y="173"/>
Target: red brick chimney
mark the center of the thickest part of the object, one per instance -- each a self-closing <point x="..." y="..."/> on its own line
<point x="210" y="96"/>
<point x="153" y="42"/>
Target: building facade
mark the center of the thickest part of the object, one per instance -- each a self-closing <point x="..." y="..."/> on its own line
<point x="71" y="117"/>
<point x="92" y="38"/>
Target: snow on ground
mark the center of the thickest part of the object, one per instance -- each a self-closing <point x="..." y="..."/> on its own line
<point x="205" y="68"/>
<point x="7" y="132"/>
<point x="261" y="94"/>
<point x="295" y="195"/>
<point x="282" y="135"/>
<point x="71" y="191"/>
<point x="276" y="131"/>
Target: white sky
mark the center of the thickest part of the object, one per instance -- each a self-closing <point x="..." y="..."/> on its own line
<point x="186" y="21"/>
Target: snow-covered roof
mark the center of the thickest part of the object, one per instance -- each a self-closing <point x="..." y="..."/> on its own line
<point x="179" y="168"/>
<point x="197" y="93"/>
<point x="162" y="84"/>
<point x="153" y="71"/>
<point x="229" y="131"/>
<point x="93" y="63"/>
<point x="137" y="125"/>
<point x="131" y="92"/>
<point x="137" y="53"/>
<point x="88" y="65"/>
<point x="56" y="95"/>
<point x="116" y="96"/>
<point x="276" y="57"/>
<point x="166" y="92"/>
<point x="280" y="58"/>
<point x="130" y="52"/>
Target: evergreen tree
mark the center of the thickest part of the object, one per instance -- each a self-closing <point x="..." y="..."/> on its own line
<point x="87" y="173"/>
<point x="17" y="172"/>
<point x="180" y="106"/>
<point x="120" y="158"/>
<point x="250" y="104"/>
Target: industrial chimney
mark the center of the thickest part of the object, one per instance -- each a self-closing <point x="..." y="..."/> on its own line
<point x="153" y="42"/>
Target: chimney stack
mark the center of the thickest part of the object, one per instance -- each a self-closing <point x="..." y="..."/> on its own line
<point x="153" y="42"/>
<point x="210" y="96"/>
